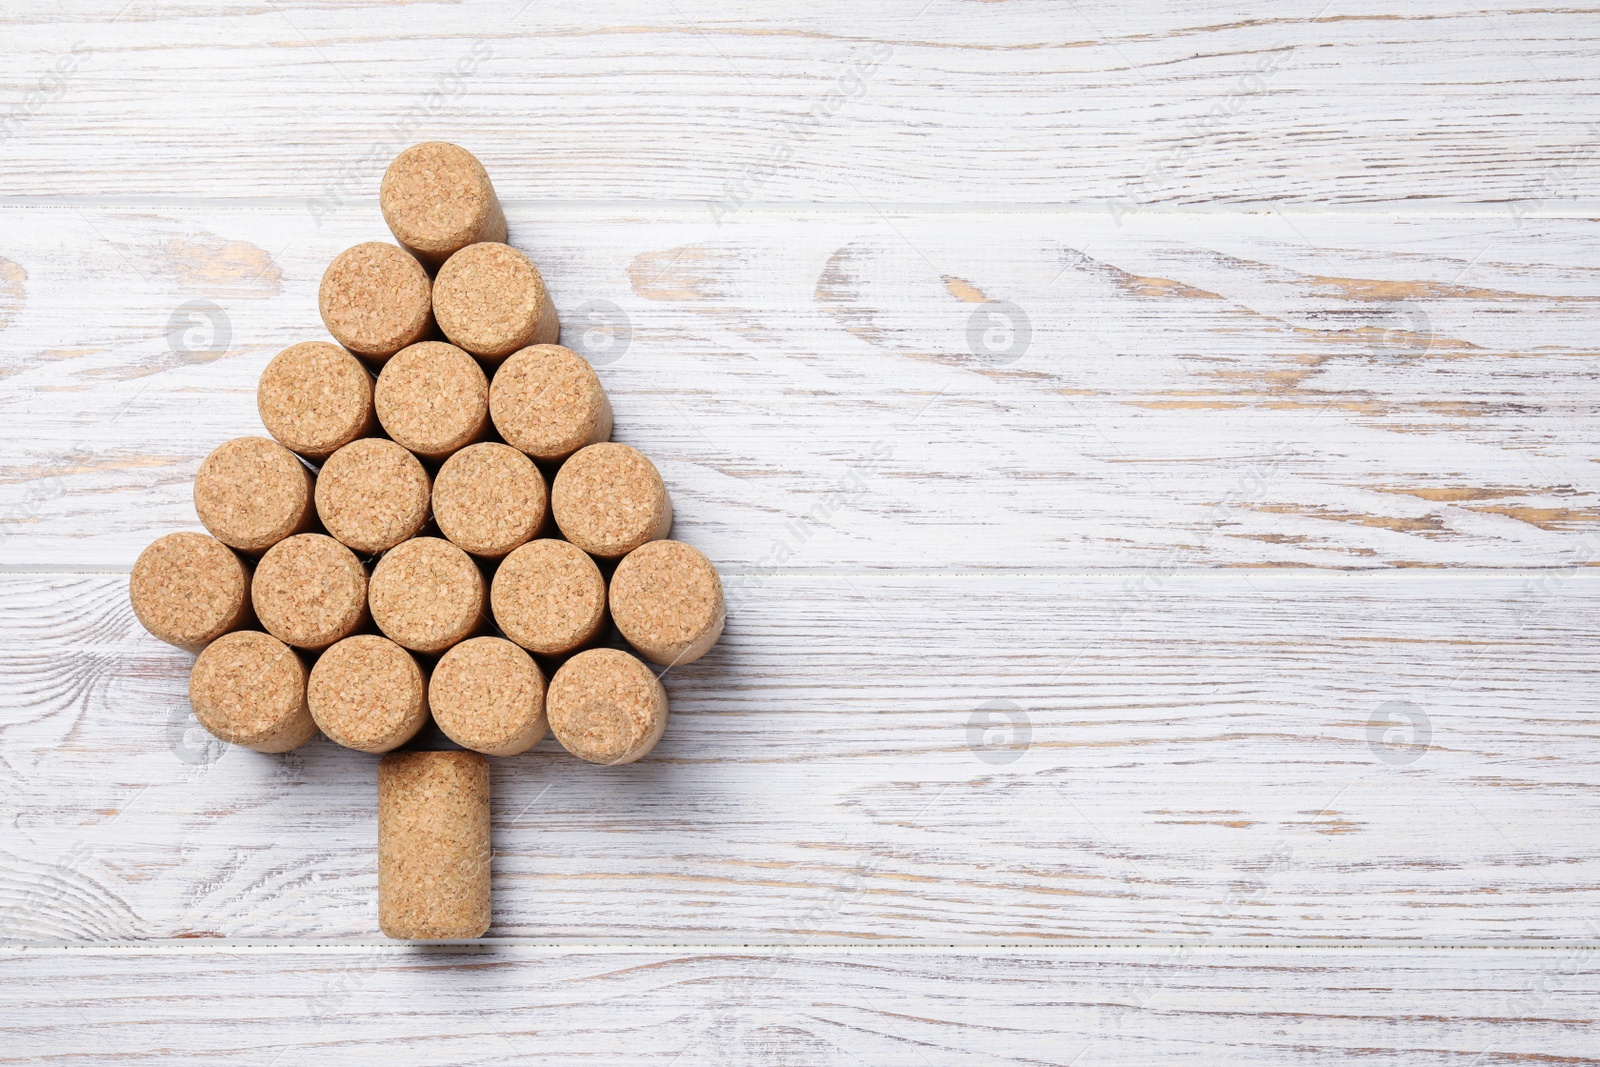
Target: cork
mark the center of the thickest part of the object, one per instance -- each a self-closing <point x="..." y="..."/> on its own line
<point x="606" y="707"/>
<point x="608" y="500"/>
<point x="433" y="398"/>
<point x="549" y="597"/>
<point x="310" y="591"/>
<point x="667" y="600"/>
<point x="489" y="499"/>
<point x="547" y="401"/>
<point x="376" y="299"/>
<point x="488" y="695"/>
<point x="315" y="398"/>
<point x="433" y="845"/>
<point x="368" y="693"/>
<point x="437" y="199"/>
<point x="490" y="300"/>
<point x="252" y="492"/>
<point x="372" y="494"/>
<point x="427" y="594"/>
<point x="249" y="689"/>
<point x="189" y="589"/>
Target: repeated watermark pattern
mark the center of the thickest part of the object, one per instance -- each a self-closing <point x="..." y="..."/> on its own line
<point x="1534" y="998"/>
<point x="189" y="741"/>
<point x="1403" y="328"/>
<point x="603" y="332"/>
<point x="999" y="732"/>
<point x="1399" y="733"/>
<point x="199" y="331"/>
<point x="42" y="492"/>
<point x="999" y="333"/>
<point x="52" y="85"/>
<point x="1555" y="177"/>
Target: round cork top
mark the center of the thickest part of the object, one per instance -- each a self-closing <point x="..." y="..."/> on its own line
<point x="427" y="594"/>
<point x="666" y="599"/>
<point x="490" y="299"/>
<point x="375" y="299"/>
<point x="608" y="500"/>
<point x="489" y="498"/>
<point x="437" y="198"/>
<point x="250" y="689"/>
<point x="547" y="401"/>
<point x="315" y="397"/>
<point x="367" y="693"/>
<point x="189" y="589"/>
<point x="309" y="591"/>
<point x="488" y="695"/>
<point x="252" y="492"/>
<point x="433" y="398"/>
<point x="372" y="494"/>
<point x="548" y="597"/>
<point x="606" y="707"/>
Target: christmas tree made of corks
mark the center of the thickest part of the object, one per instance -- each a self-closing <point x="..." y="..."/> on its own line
<point x="392" y="553"/>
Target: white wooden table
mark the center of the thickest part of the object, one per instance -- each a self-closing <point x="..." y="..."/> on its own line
<point x="1151" y="447"/>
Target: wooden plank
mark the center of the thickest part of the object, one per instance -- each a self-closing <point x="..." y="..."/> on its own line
<point x="817" y="391"/>
<point x="1127" y="107"/>
<point x="497" y="1004"/>
<point x="1283" y="757"/>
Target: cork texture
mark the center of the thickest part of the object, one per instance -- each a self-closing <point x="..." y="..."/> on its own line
<point x="188" y="589"/>
<point x="606" y="707"/>
<point x="549" y="597"/>
<point x="666" y="598"/>
<point x="252" y="492"/>
<point x="315" y="398"/>
<point x="608" y="500"/>
<point x="433" y="845"/>
<point x="547" y="401"/>
<point x="490" y="300"/>
<point x="310" y="591"/>
<point x="368" y="693"/>
<point x="376" y="299"/>
<point x="372" y="494"/>
<point x="427" y="594"/>
<point x="249" y="689"/>
<point x="489" y="499"/>
<point x="488" y="695"/>
<point x="437" y="199"/>
<point x="433" y="398"/>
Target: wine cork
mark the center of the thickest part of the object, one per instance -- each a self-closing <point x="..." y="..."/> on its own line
<point x="315" y="398"/>
<point x="310" y="591"/>
<point x="488" y="695"/>
<point x="433" y="398"/>
<point x="189" y="589"/>
<point x="606" y="707"/>
<point x="427" y="594"/>
<point x="249" y="689"/>
<point x="252" y="492"/>
<point x="547" y="401"/>
<point x="608" y="500"/>
<point x="490" y="300"/>
<point x="666" y="599"/>
<point x="437" y="199"/>
<point x="372" y="494"/>
<point x="548" y="597"/>
<point x="368" y="693"/>
<point x="376" y="299"/>
<point x="489" y="498"/>
<point x="433" y="845"/>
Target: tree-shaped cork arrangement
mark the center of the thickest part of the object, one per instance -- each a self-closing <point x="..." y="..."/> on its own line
<point x="428" y="532"/>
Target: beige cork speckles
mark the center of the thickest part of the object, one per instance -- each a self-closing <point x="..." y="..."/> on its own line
<point x="368" y="693"/>
<point x="547" y="401"/>
<point x="437" y="199"/>
<point x="666" y="598"/>
<point x="310" y="591"/>
<point x="606" y="707"/>
<point x="249" y="689"/>
<point x="433" y="399"/>
<point x="315" y="397"/>
<point x="427" y="594"/>
<point x="376" y="299"/>
<point x="487" y="694"/>
<point x="189" y="589"/>
<point x="609" y="499"/>
<point x="372" y="494"/>
<point x="489" y="499"/>
<point x="490" y="299"/>
<point x="433" y="845"/>
<point x="252" y="492"/>
<point x="549" y="597"/>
